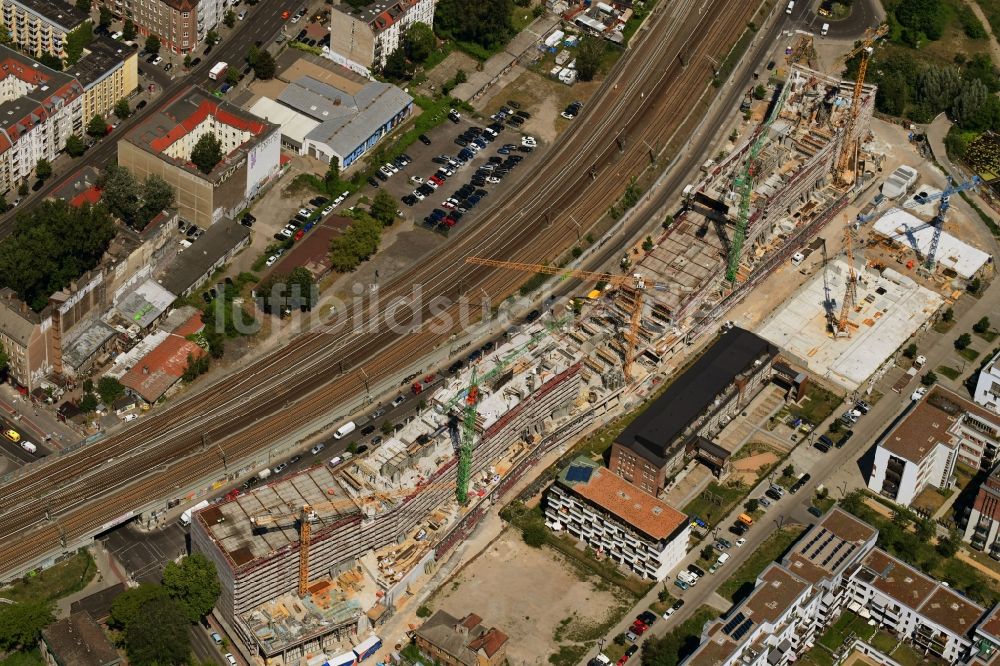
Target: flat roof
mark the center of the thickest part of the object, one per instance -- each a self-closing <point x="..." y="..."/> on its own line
<point x="896" y="579"/>
<point x="58" y="13"/>
<point x="144" y="304"/>
<point x="829" y="547"/>
<point x="99" y="58"/>
<point x="189" y="266"/>
<point x="230" y="526"/>
<point x="907" y="230"/>
<point x="85" y="340"/>
<point x="635" y="507"/>
<point x="951" y="610"/>
<point x="690" y="395"/>
<point x="922" y="430"/>
<point x="162" y="367"/>
<point x="294" y="125"/>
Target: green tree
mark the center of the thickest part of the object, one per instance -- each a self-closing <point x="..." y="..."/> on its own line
<point x="211" y="37"/>
<point x="22" y="189"/>
<point x="22" y="624"/>
<point x="110" y="389"/>
<point x="207" y="152"/>
<point x="927" y="17"/>
<point x="51" y="61"/>
<point x="229" y="18"/>
<point x="75" y="146"/>
<point x="159" y="636"/>
<point x="357" y="244"/>
<point x="97" y="127"/>
<point x="106" y="17"/>
<point x="910" y="351"/>
<point x="588" y="57"/>
<point x="396" y="66"/>
<point x="187" y="61"/>
<point x="486" y="23"/>
<point x="533" y="534"/>
<point x="194" y="584"/>
<point x="947" y="546"/>
<point x="929" y="378"/>
<point x="963" y="341"/>
<point x="43" y="169"/>
<point x="383" y="207"/>
<point x="974" y="285"/>
<point x="759" y="92"/>
<point x="152" y="44"/>
<point x="948" y="315"/>
<point x="648" y="244"/>
<point x="707" y="553"/>
<point x="121" y="193"/>
<point x="262" y="63"/>
<point x="88" y="403"/>
<point x="4" y="205"/>
<point x="982" y="326"/>
<point x="232" y="76"/>
<point x="419" y="42"/>
<point x="129" y="31"/>
<point x="386" y="428"/>
<point x="125" y="607"/>
<point x="789" y="470"/>
<point x="331" y="180"/>
<point x="424" y="611"/>
<point x="77" y="40"/>
<point x="157" y="195"/>
<point x="122" y="109"/>
<point x="751" y="505"/>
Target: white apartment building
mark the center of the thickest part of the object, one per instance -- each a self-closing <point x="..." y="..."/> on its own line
<point x="364" y="38"/>
<point x="40" y="26"/>
<point x="617" y="519"/>
<point x="988" y="386"/>
<point x="834" y="567"/>
<point x="39" y="109"/>
<point x="982" y="530"/>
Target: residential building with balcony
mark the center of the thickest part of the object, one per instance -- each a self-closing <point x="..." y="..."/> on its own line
<point x="363" y="38"/>
<point x="617" y="519"/>
<point x="40" y="26"/>
<point x="922" y="449"/>
<point x="699" y="403"/>
<point x="39" y="109"/>
<point x="988" y="386"/>
<point x="179" y="24"/>
<point x="982" y="530"/>
<point x="108" y="71"/>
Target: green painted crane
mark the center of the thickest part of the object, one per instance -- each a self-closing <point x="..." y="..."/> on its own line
<point x="744" y="183"/>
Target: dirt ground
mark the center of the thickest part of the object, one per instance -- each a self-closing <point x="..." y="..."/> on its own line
<point x="746" y="469"/>
<point x="446" y="70"/>
<point x="530" y="593"/>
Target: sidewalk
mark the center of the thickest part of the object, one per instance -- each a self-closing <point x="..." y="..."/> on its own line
<point x="108" y="575"/>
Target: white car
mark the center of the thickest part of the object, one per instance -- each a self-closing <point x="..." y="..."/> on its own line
<point x="231" y="659"/>
<point x="528" y="141"/>
<point x="157" y="60"/>
<point x="667" y="613"/>
<point x="242" y="15"/>
<point x="392" y="168"/>
<point x="418" y="195"/>
<point x="432" y="184"/>
<point x="305" y="212"/>
<point x="740" y="542"/>
<point x="295" y="19"/>
<point x="919" y="393"/>
<point x="340" y="198"/>
<point x="329" y="209"/>
<point x="118" y="35"/>
<point x="286" y="232"/>
<point x="270" y="260"/>
<point x="416" y="179"/>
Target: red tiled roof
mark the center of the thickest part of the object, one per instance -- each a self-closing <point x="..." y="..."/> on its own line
<point x="490" y="642"/>
<point x="158" y="370"/>
<point x="205" y="109"/>
<point x="91" y="195"/>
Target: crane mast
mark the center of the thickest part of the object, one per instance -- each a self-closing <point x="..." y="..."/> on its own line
<point x="847" y="147"/>
<point x="850" y="291"/>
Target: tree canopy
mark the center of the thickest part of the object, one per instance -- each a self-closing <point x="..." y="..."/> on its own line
<point x="75" y="146"/>
<point x="97" y="127"/>
<point x="110" y="389"/>
<point x="588" y="58"/>
<point x="125" y="607"/>
<point x="193" y="584"/>
<point x="207" y="152"/>
<point x="77" y="40"/>
<point x="357" y="244"/>
<point x="51" y="245"/>
<point x="279" y="293"/>
<point x="133" y="202"/>
<point x="262" y="63"/>
<point x="152" y="44"/>
<point x="22" y="624"/>
<point x="159" y="635"/>
<point x="129" y="31"/>
<point x="486" y="23"/>
<point x="419" y="42"/>
<point x="383" y="207"/>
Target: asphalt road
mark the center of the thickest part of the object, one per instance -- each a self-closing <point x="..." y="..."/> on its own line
<point x="864" y="14"/>
<point x="263" y="24"/>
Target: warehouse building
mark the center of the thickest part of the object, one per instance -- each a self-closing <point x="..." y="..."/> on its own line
<point x="617" y="519"/>
<point x="162" y="143"/>
<point x="698" y="403"/>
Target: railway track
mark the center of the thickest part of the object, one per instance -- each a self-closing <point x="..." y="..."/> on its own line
<point x="78" y="493"/>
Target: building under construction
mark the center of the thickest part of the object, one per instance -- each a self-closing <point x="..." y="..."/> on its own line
<point x="788" y="169"/>
<point x="376" y="523"/>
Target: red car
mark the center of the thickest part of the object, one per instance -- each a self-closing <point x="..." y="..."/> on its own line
<point x="436" y="180"/>
<point x="299" y="234"/>
<point x="639" y="628"/>
<point x="284" y="15"/>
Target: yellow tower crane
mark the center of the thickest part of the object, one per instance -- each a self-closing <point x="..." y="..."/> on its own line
<point x="851" y="289"/>
<point x="847" y="147"/>
<point x="634" y="281"/>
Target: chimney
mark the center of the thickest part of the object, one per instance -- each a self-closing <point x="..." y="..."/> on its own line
<point x="145" y="369"/>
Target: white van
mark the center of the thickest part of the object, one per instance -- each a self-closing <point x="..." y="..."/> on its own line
<point x="29" y="447"/>
<point x="825" y="29"/>
<point x="130" y="417"/>
<point x="790" y="7"/>
<point x="345" y="430"/>
<point x="722" y="559"/>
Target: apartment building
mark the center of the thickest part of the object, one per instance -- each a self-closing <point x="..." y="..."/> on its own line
<point x="179" y="24"/>
<point x="39" y="109"/>
<point x="163" y="142"/>
<point x="982" y="530"/>
<point x="699" y="403"/>
<point x="362" y="39"/>
<point x="617" y="519"/>
<point x="41" y="26"/>
<point x="988" y="386"/>
<point x="108" y="71"/>
<point x="24" y="340"/>
<point x="833" y="568"/>
<point x="923" y="448"/>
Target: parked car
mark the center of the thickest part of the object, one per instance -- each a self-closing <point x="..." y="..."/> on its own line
<point x="424" y="139"/>
<point x="316" y="449"/>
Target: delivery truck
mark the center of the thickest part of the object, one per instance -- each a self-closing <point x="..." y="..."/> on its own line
<point x="186" y="516"/>
<point x="218" y="71"/>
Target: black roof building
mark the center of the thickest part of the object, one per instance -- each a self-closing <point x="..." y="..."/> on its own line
<point x="653" y="433"/>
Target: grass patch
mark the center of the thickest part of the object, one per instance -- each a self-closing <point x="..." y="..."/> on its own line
<point x="32" y="658"/>
<point x="438" y="55"/>
<point x="568" y="655"/>
<point x="521" y="17"/>
<point x="715" y="502"/>
<point x="69" y="576"/>
<point x="639" y="15"/>
<point x="730" y="61"/>
<point x="963" y="475"/>
<point x="969" y="354"/>
<point x="989" y="336"/>
<point x="942" y="326"/>
<point x="742" y="581"/>
<point x="948" y="371"/>
<point x="678" y="645"/>
<point x="824" y="504"/>
<point x="817" y="404"/>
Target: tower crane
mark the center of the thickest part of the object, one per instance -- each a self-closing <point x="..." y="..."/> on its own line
<point x="307" y="514"/>
<point x="938" y="221"/>
<point x="851" y="289"/>
<point x="635" y="281"/>
<point x="847" y="147"/>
